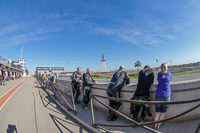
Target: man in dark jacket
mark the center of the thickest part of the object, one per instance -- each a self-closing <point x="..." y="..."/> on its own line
<point x="87" y="84"/>
<point x="145" y="80"/>
<point x="76" y="84"/>
<point x="118" y="80"/>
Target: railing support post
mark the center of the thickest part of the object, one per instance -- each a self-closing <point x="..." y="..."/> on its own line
<point x="73" y="102"/>
<point x="92" y="109"/>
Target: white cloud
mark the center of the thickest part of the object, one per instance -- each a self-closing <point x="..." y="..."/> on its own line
<point x="152" y="35"/>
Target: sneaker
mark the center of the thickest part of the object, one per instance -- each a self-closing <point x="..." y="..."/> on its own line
<point x="115" y="116"/>
<point x="108" y="119"/>
<point x="83" y="105"/>
<point x="114" y="119"/>
<point x="157" y="128"/>
<point x="141" y="121"/>
<point x="86" y="107"/>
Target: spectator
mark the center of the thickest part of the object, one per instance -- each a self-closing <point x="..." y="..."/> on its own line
<point x="118" y="80"/>
<point x="163" y="93"/>
<point x="56" y="77"/>
<point x="52" y="77"/>
<point x="76" y="84"/>
<point x="87" y="83"/>
<point x="145" y="80"/>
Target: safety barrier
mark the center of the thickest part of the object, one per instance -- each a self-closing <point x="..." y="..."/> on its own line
<point x="180" y="91"/>
<point x="60" y="90"/>
<point x="143" y="125"/>
<point x="67" y="91"/>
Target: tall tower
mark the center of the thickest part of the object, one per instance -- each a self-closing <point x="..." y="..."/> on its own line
<point x="103" y="64"/>
<point x="22" y="62"/>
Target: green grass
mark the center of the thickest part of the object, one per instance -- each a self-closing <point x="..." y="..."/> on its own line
<point x="109" y="77"/>
<point x="185" y="73"/>
<point x="135" y="76"/>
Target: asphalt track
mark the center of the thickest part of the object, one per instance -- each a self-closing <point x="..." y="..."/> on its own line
<point x="175" y="79"/>
<point x="31" y="110"/>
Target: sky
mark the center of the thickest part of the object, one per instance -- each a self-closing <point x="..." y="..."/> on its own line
<point x="54" y="32"/>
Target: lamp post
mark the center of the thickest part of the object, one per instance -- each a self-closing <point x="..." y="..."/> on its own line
<point x="67" y="65"/>
<point x="157" y="62"/>
<point x="171" y="62"/>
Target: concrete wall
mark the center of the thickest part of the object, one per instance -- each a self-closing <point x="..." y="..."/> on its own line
<point x="180" y="91"/>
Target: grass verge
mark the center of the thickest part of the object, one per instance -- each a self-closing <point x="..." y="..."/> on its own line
<point x="135" y="76"/>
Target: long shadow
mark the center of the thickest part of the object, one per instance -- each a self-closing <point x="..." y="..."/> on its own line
<point x="12" y="129"/>
<point x="48" y="100"/>
<point x="55" y="119"/>
<point x="57" y="123"/>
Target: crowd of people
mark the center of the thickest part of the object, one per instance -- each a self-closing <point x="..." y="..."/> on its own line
<point x="119" y="79"/>
<point x="85" y="81"/>
<point x="142" y="93"/>
<point x="52" y="78"/>
<point x="5" y="77"/>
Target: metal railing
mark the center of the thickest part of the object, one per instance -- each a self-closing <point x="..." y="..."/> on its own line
<point x="67" y="91"/>
<point x="59" y="91"/>
<point x="143" y="125"/>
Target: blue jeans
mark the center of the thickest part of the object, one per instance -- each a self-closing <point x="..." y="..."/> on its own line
<point x="162" y="108"/>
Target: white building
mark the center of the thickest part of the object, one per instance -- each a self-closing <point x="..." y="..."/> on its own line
<point x="22" y="62"/>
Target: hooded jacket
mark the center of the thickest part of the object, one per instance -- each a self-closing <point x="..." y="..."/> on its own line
<point x="145" y="80"/>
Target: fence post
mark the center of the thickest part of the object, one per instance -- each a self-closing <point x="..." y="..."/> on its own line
<point x="92" y="109"/>
<point x="73" y="102"/>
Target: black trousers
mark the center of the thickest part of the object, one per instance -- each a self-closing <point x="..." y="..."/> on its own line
<point x="136" y="112"/>
<point x="113" y="104"/>
<point x="76" y="90"/>
<point x="86" y="96"/>
<point x="145" y="109"/>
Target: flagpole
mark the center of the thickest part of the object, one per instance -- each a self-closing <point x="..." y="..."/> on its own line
<point x="22" y="50"/>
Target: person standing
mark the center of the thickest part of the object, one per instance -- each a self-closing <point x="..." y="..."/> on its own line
<point x="163" y="93"/>
<point x="87" y="84"/>
<point x="120" y="77"/>
<point x="76" y="84"/>
<point x="52" y="77"/>
<point x="142" y="93"/>
<point x="56" y="77"/>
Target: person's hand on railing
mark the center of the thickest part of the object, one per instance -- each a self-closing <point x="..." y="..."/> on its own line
<point x="95" y="82"/>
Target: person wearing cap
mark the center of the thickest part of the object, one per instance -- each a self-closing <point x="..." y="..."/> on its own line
<point x="145" y="81"/>
<point x="76" y="84"/>
<point x="119" y="78"/>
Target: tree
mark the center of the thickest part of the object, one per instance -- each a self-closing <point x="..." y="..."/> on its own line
<point x="138" y="64"/>
<point x="27" y="72"/>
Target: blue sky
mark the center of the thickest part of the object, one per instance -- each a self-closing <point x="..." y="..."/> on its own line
<point x="79" y="31"/>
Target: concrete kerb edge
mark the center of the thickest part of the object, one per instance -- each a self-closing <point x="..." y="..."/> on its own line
<point x="73" y="116"/>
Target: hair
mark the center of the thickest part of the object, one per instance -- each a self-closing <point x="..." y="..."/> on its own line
<point x="163" y="67"/>
<point x="147" y="66"/>
<point x="88" y="69"/>
<point x="78" y="68"/>
<point x="121" y="67"/>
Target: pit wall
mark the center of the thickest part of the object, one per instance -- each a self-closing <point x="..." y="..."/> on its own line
<point x="180" y="91"/>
